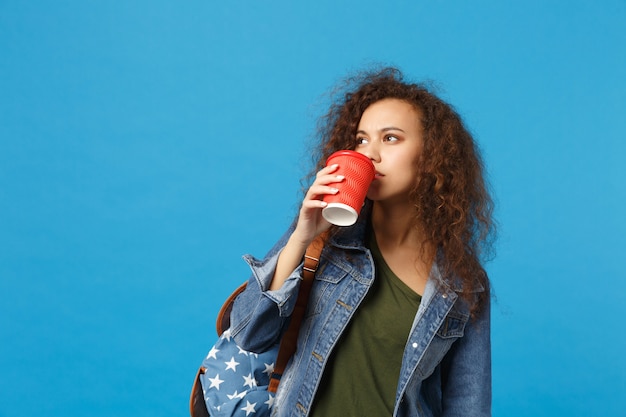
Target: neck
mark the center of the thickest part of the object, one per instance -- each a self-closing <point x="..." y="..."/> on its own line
<point x="403" y="245"/>
<point x="395" y="225"/>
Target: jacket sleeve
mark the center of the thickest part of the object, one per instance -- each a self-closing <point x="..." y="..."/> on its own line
<point x="260" y="316"/>
<point x="467" y="383"/>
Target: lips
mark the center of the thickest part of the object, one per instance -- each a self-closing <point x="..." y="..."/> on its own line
<point x="378" y="175"/>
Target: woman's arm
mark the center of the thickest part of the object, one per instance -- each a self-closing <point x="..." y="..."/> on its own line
<point x="310" y="224"/>
<point x="259" y="315"/>
<point x="261" y="312"/>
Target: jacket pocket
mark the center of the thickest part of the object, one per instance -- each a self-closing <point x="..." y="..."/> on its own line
<point x="453" y="325"/>
<point x="452" y="328"/>
<point x="327" y="280"/>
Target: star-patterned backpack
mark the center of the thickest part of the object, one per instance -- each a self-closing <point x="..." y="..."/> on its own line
<point x="232" y="382"/>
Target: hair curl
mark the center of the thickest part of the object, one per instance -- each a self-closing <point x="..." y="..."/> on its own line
<point x="451" y="199"/>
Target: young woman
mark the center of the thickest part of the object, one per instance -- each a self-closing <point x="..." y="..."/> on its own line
<point x="398" y="321"/>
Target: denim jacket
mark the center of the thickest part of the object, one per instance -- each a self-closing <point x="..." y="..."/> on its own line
<point x="446" y="366"/>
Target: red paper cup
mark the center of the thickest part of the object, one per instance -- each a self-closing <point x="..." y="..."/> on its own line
<point x="344" y="207"/>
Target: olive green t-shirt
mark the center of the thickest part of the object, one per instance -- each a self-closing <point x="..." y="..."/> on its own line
<point x="362" y="374"/>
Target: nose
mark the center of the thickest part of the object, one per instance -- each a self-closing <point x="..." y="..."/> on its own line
<point x="371" y="151"/>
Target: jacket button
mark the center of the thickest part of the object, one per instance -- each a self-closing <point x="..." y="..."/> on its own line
<point x="414" y="345"/>
<point x="444" y="295"/>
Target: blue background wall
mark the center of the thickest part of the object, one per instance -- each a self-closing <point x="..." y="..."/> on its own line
<point x="146" y="145"/>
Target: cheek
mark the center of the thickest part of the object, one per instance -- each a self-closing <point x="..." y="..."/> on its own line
<point x="410" y="165"/>
<point x="411" y="172"/>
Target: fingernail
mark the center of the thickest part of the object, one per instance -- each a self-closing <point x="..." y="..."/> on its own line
<point x="334" y="190"/>
<point x="340" y="177"/>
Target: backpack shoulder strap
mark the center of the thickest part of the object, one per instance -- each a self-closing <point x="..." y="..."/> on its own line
<point x="290" y="338"/>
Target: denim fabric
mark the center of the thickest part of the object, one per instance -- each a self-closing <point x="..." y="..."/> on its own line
<point x="446" y="367"/>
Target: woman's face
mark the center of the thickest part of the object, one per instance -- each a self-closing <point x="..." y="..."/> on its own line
<point x="390" y="135"/>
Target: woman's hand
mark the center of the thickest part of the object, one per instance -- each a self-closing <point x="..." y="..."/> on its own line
<point x="310" y="224"/>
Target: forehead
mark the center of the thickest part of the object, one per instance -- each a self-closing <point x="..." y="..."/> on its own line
<point x="391" y="111"/>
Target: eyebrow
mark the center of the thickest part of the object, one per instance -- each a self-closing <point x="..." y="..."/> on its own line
<point x="384" y="129"/>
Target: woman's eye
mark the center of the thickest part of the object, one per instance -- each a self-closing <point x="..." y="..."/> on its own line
<point x="361" y="140"/>
<point x="391" y="138"/>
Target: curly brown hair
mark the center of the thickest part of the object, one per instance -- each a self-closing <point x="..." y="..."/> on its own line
<point x="451" y="197"/>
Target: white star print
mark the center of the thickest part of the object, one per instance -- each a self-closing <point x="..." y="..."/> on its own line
<point x="249" y="381"/>
<point x="232" y="364"/>
<point x="215" y="382"/>
<point x="269" y="402"/>
<point x="226" y="334"/>
<point x="237" y="395"/>
<point x="243" y="352"/>
<point x="269" y="368"/>
<point x="249" y="408"/>
<point x="213" y="353"/>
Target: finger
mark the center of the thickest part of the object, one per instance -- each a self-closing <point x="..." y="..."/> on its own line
<point x="314" y="204"/>
<point x="328" y="170"/>
<point x="318" y="191"/>
<point x="329" y="179"/>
